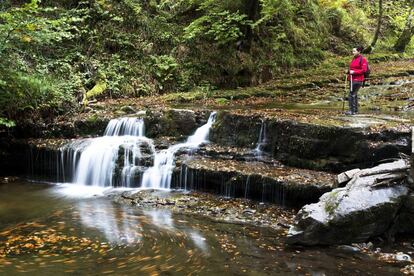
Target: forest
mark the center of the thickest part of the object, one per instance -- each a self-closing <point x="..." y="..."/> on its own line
<point x="56" y="55"/>
<point x="207" y="137"/>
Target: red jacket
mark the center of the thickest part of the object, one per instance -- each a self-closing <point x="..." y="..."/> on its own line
<point x="359" y="68"/>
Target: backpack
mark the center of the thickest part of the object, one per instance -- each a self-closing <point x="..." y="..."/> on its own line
<point x="367" y="73"/>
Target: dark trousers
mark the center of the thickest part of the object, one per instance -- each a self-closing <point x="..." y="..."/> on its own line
<point x="353" y="97"/>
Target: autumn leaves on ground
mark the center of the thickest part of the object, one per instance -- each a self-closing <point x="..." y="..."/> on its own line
<point x="314" y="95"/>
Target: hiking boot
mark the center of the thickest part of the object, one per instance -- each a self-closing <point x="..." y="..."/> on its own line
<point x="348" y="113"/>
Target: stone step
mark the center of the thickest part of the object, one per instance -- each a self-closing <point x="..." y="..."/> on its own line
<point x="259" y="181"/>
<point x="332" y="144"/>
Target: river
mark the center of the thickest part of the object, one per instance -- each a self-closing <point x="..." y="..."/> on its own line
<point x="46" y="231"/>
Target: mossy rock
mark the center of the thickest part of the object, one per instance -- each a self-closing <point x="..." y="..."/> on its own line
<point x="93" y="126"/>
<point x="128" y="109"/>
<point x="222" y="101"/>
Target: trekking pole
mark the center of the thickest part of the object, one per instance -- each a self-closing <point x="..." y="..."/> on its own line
<point x="345" y="91"/>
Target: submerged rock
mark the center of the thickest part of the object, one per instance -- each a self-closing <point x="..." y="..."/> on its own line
<point x="209" y="206"/>
<point x="367" y="206"/>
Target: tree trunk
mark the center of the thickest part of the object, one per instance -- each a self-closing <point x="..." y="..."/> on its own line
<point x="252" y="12"/>
<point x="407" y="33"/>
<point x="378" y="29"/>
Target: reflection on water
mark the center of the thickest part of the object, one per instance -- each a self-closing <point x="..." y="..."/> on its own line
<point x="199" y="240"/>
<point x="45" y="233"/>
<point x="121" y="226"/>
<point x="161" y="218"/>
<point x="115" y="224"/>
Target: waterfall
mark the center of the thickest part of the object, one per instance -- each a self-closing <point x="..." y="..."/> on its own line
<point x="159" y="176"/>
<point x="125" y="126"/>
<point x="120" y="158"/>
<point x="110" y="160"/>
<point x="108" y="157"/>
<point x="262" y="140"/>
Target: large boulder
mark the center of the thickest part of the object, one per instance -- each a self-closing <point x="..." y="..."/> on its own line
<point x="171" y="122"/>
<point x="368" y="206"/>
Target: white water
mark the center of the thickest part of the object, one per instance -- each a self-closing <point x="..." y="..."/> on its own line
<point x="262" y="141"/>
<point x="114" y="159"/>
<point x="98" y="161"/>
<point x="125" y="126"/>
<point x="95" y="161"/>
<point x="159" y="176"/>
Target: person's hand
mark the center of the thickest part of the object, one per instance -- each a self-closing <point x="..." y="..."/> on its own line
<point x="351" y="72"/>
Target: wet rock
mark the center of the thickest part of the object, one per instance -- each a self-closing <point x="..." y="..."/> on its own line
<point x="308" y="145"/>
<point x="262" y="182"/>
<point x="248" y="212"/>
<point x="349" y="248"/>
<point x="354" y="213"/>
<point x="398" y="257"/>
<point x="409" y="269"/>
<point x="364" y="246"/>
<point x="128" y="109"/>
<point x="232" y="130"/>
<point x="401" y="257"/>
<point x="171" y="122"/>
<point x="405" y="222"/>
<point x="185" y="119"/>
<point x="94" y="126"/>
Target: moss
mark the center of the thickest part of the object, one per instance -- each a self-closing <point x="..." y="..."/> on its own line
<point x="93" y="118"/>
<point x="97" y="90"/>
<point x="222" y="101"/>
<point x="332" y="203"/>
<point x="183" y="97"/>
<point x="93" y="125"/>
<point x="168" y="124"/>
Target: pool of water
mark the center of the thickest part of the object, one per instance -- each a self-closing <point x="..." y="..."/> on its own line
<point x="46" y="232"/>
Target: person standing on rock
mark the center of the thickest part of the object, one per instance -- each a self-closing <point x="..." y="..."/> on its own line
<point x="356" y="73"/>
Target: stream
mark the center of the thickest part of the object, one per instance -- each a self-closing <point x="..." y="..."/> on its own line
<point x="46" y="231"/>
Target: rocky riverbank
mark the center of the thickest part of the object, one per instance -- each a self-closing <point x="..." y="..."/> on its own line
<point x="399" y="254"/>
<point x="375" y="202"/>
<point x="216" y="208"/>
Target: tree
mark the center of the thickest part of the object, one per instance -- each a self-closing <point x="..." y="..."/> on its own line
<point x="378" y="28"/>
<point x="253" y="13"/>
<point x="407" y="32"/>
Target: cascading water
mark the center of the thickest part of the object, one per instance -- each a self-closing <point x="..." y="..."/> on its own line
<point x="262" y="141"/>
<point x="102" y="160"/>
<point x="111" y="160"/>
<point x="120" y="158"/>
<point x="125" y="126"/>
<point x="159" y="176"/>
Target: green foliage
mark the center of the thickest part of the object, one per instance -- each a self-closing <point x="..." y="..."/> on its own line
<point x="164" y="68"/>
<point x="28" y="33"/>
<point x="24" y="94"/>
<point x="222" y="27"/>
<point x="293" y="31"/>
<point x="29" y="25"/>
<point x="7" y="123"/>
<point x="53" y="52"/>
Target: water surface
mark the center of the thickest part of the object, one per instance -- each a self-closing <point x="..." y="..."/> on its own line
<point x="45" y="232"/>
